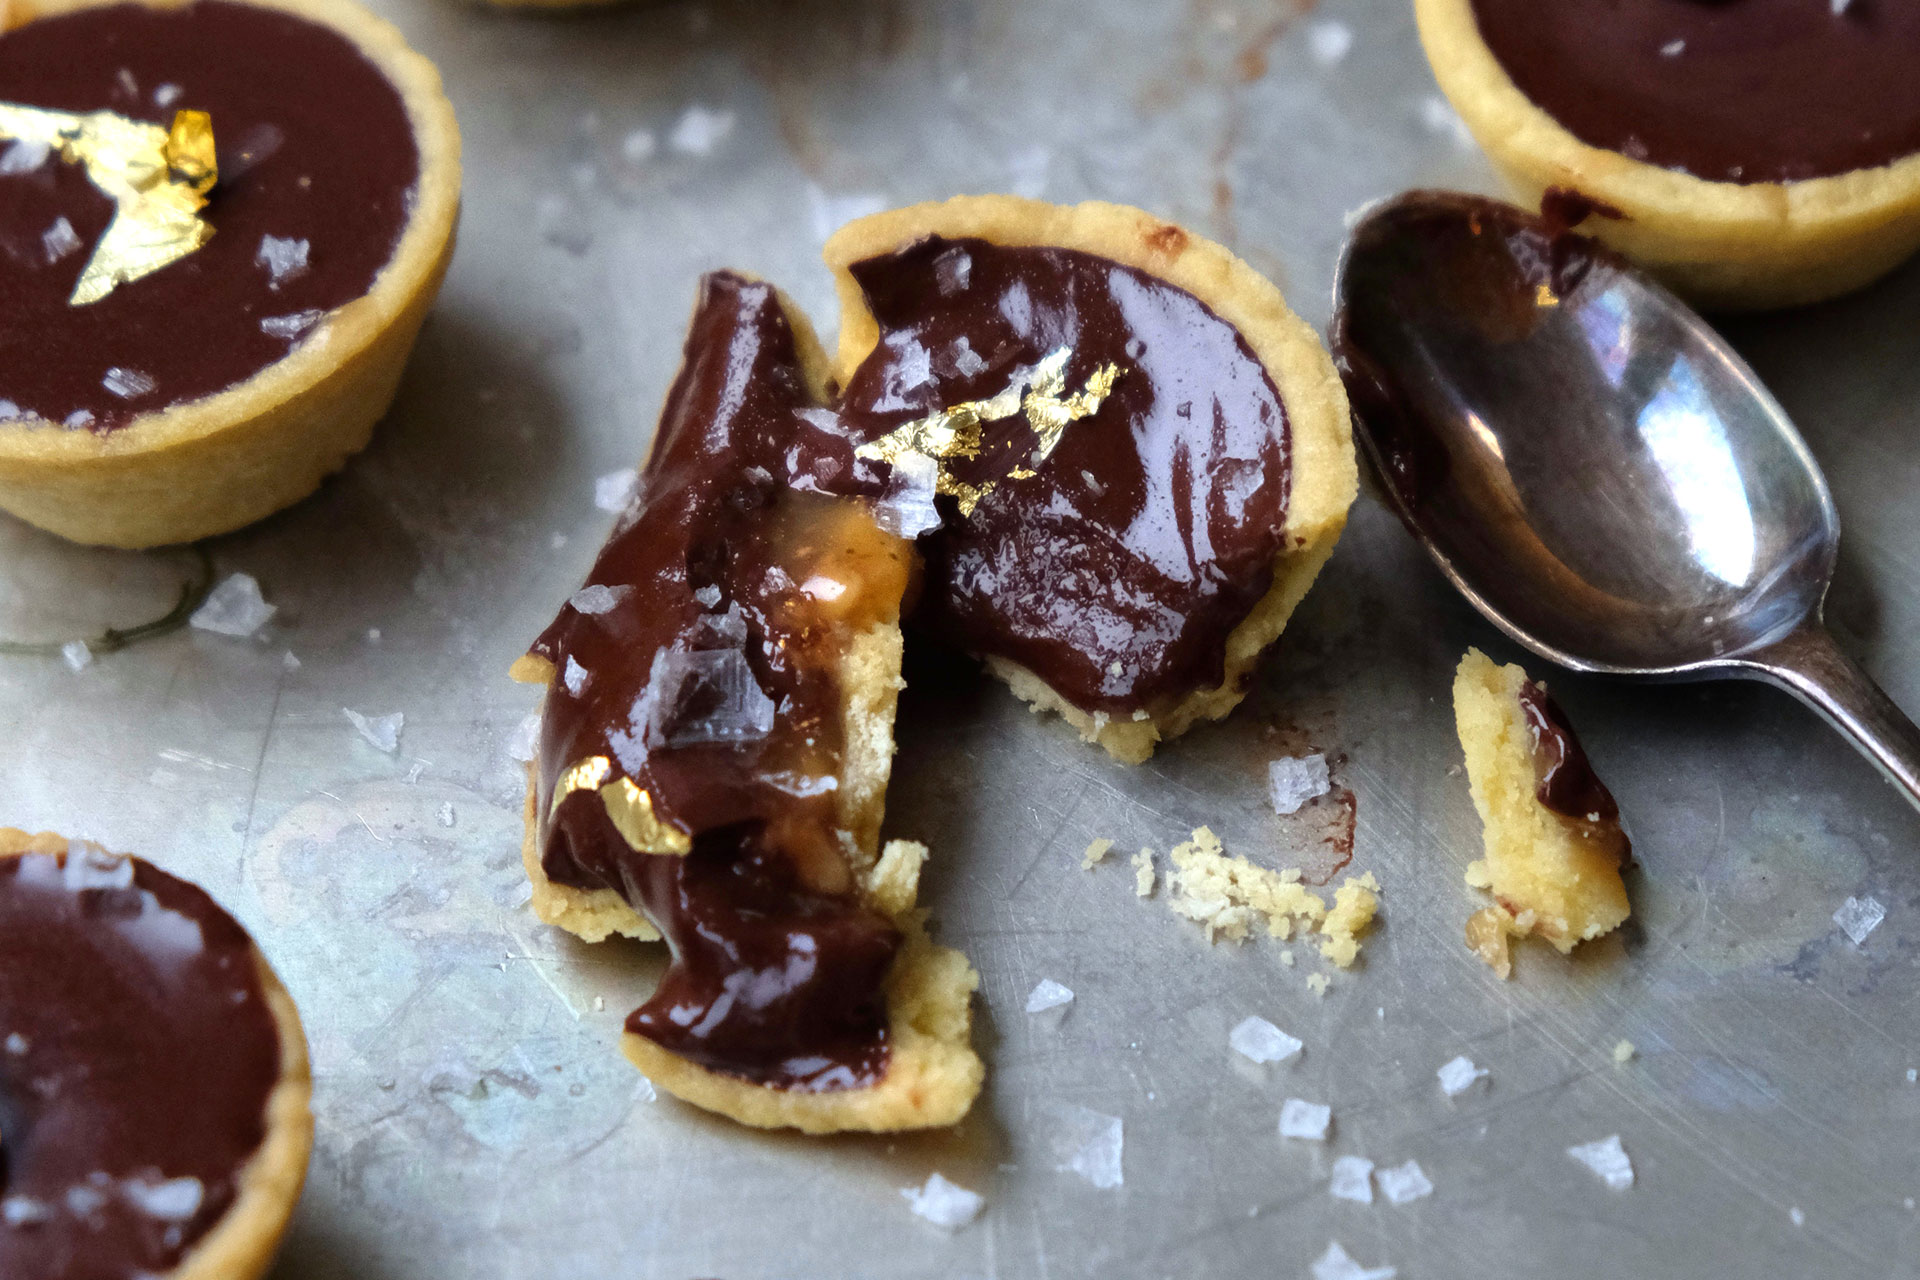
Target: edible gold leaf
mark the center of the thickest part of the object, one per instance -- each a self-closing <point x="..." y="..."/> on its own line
<point x="631" y="811"/>
<point x="158" y="180"/>
<point x="583" y="775"/>
<point x="955" y="432"/>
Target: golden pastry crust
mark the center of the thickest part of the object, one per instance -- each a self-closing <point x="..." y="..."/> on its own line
<point x="212" y="465"/>
<point x="1725" y="245"/>
<point x="1324" y="478"/>
<point x="1551" y="878"/>
<point x="241" y="1245"/>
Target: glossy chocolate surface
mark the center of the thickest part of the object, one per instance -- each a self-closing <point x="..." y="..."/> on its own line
<point x="1117" y="571"/>
<point x="1727" y="90"/>
<point x="137" y="1054"/>
<point x="1566" y="782"/>
<point x="314" y="145"/>
<point x="733" y="565"/>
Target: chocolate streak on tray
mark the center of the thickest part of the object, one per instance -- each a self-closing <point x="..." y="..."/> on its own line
<point x="136" y="1051"/>
<point x="313" y="144"/>
<point x="1117" y="571"/>
<point x="712" y="685"/>
<point x="1726" y="90"/>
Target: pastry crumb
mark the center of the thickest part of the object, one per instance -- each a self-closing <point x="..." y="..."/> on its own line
<point x="1095" y="852"/>
<point x="1318" y="983"/>
<point x="1230" y="897"/>
<point x="1624" y="1051"/>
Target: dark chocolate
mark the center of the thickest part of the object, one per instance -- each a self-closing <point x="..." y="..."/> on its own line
<point x="1727" y="90"/>
<point x="720" y="569"/>
<point x="137" y="1051"/>
<point x="1115" y="573"/>
<point x="314" y="145"/>
<point x="1565" y="780"/>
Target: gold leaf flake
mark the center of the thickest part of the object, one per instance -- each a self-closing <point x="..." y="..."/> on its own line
<point x="583" y="775"/>
<point x="158" y="180"/>
<point x="954" y="432"/>
<point x="631" y="811"/>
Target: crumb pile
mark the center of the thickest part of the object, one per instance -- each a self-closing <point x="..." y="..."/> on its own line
<point x="1230" y="897"/>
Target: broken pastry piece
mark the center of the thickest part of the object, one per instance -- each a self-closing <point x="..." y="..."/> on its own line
<point x="154" y="1087"/>
<point x="1142" y="456"/>
<point x="1555" y="850"/>
<point x="714" y="752"/>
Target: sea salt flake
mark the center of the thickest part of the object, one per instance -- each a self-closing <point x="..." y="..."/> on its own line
<point x="89" y="868"/>
<point x="17" y="1044"/>
<point x="953" y="272"/>
<point x="1352" y="1179"/>
<point x="1294" y="780"/>
<point x="1797" y="1216"/>
<point x="166" y="95"/>
<point x="84" y="1201"/>
<point x="1334" y="1264"/>
<point x="234" y="608"/>
<point x="1305" y="1120"/>
<point x="699" y="129"/>
<point x="293" y="326"/>
<point x="614" y="490"/>
<point x="128" y="384"/>
<point x="1403" y="1183"/>
<point x="446" y="814"/>
<point x="943" y="1203"/>
<point x="23" y="157"/>
<point x="382" y="731"/>
<point x="1457" y="1076"/>
<point x="290" y="661"/>
<point x="10" y="412"/>
<point x="574" y="677"/>
<point x="284" y="258"/>
<point x="1143" y="874"/>
<point x="77" y="654"/>
<point x="1337" y="1265"/>
<point x="524" y="740"/>
<point x="708" y="596"/>
<point x="169" y="1199"/>
<point x="59" y="240"/>
<point x="1858" y="917"/>
<point x="908" y="509"/>
<point x="78" y="419"/>
<point x="1090" y="1144"/>
<point x="1258" y="1040"/>
<point x="966" y="361"/>
<point x="1673" y="48"/>
<point x="24" y="1211"/>
<point x="1607" y="1159"/>
<point x="710" y="695"/>
<point x="638" y="146"/>
<point x="597" y="599"/>
<point x="1048" y="994"/>
<point x="1329" y="42"/>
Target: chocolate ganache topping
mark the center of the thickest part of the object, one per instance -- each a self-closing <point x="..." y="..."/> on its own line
<point x="1566" y="782"/>
<point x="700" y="666"/>
<point x="137" y="1055"/>
<point x="317" y="166"/>
<point x="1726" y="90"/>
<point x="1116" y="568"/>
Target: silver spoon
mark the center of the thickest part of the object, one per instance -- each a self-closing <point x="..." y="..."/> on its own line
<point x="1591" y="464"/>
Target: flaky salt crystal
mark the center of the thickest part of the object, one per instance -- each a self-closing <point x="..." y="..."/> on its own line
<point x="78" y="419"/>
<point x="638" y="146"/>
<point x="17" y="1045"/>
<point x="1608" y="1159"/>
<point x="234" y="608"/>
<point x="1294" y="780"/>
<point x="128" y="384"/>
<point x="699" y="129"/>
<point x="1089" y="1144"/>
<point x="59" y="240"/>
<point x="1334" y="1264"/>
<point x="597" y="599"/>
<point x="1403" y="1183"/>
<point x="1305" y="1120"/>
<point x="614" y="490"/>
<point x="166" y="95"/>
<point x="1048" y="994"/>
<point x="1858" y="917"/>
<point x="23" y="157"/>
<point x="943" y="1203"/>
<point x="708" y="596"/>
<point x="84" y="1201"/>
<point x="1673" y="48"/>
<point x="1260" y="1041"/>
<point x="24" y="1211"/>
<point x="292" y="326"/>
<point x="77" y="654"/>
<point x="1329" y="42"/>
<point x="524" y="741"/>
<point x="908" y="509"/>
<point x="966" y="361"/>
<point x="290" y="661"/>
<point x="1352" y="1180"/>
<point x="284" y="258"/>
<point x="170" y="1200"/>
<point x="1797" y="1216"/>
<point x="953" y="271"/>
<point x="89" y="868"/>
<point x="1143" y="874"/>
<point x="446" y="814"/>
<point x="1458" y="1075"/>
<point x="382" y="731"/>
<point x="574" y="676"/>
<point x="710" y="695"/>
<point x="9" y="411"/>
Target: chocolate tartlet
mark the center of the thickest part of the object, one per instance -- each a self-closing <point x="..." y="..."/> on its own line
<point x="154" y="1087"/>
<point x="1756" y="153"/>
<point x="1124" y="461"/>
<point x="1554" y="846"/>
<point x="221" y="226"/>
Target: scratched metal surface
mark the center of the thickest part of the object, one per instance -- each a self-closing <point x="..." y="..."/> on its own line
<point x="474" y="1118"/>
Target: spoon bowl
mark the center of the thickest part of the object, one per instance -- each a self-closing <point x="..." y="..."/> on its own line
<point x="1589" y="462"/>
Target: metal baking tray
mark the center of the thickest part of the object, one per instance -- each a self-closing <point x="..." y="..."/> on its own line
<point x="475" y="1119"/>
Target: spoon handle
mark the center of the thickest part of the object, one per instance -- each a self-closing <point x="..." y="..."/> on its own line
<point x="1809" y="665"/>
